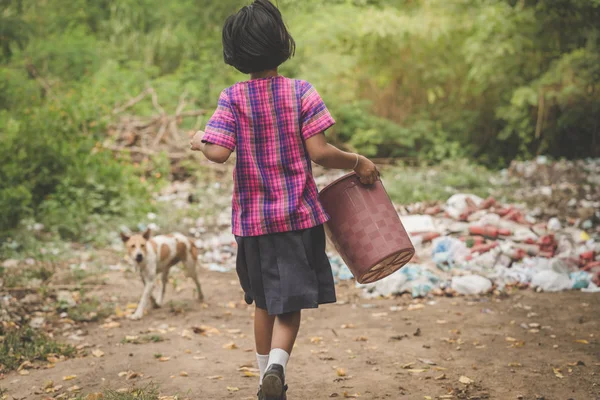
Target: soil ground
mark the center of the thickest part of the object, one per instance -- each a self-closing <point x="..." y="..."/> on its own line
<point x="395" y="348"/>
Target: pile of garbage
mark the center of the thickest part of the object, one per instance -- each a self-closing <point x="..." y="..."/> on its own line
<point x="471" y="245"/>
<point x="564" y="189"/>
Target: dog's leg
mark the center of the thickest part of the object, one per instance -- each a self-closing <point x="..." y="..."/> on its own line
<point x="152" y="299"/>
<point x="165" y="281"/>
<point x="190" y="267"/>
<point x="148" y="286"/>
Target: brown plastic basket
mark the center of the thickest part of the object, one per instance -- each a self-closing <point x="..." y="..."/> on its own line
<point x="365" y="228"/>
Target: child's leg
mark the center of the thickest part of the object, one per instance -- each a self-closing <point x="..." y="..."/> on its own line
<point x="284" y="335"/>
<point x="285" y="331"/>
<point x="263" y="333"/>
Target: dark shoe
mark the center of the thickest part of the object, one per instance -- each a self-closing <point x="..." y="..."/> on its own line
<point x="273" y="386"/>
<point x="261" y="395"/>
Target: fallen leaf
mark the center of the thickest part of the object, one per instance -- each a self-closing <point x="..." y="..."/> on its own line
<point x="425" y="361"/>
<point x="414" y="307"/>
<point x="341" y="372"/>
<point x="351" y="396"/>
<point x="379" y="314"/>
<point x="316" y="339"/>
<point x="441" y="321"/>
<point x="118" y="312"/>
<point x="233" y="389"/>
<point x="514" y="365"/>
<point x="111" y="325"/>
<point x="428" y="397"/>
<point x="416" y="371"/>
<point x="98" y="353"/>
<point x="234" y="331"/>
<point x="230" y="346"/>
<point x="465" y="380"/>
<point x="347" y="326"/>
<point x="52" y="359"/>
<point x="250" y="374"/>
<point x="164" y="359"/>
<point x="361" y="339"/>
<point x="123" y="373"/>
<point x="186" y="334"/>
<point x="24" y="372"/>
<point x="69" y="377"/>
<point x="407" y="366"/>
<point x="582" y="341"/>
<point x="74" y="389"/>
<point x="440" y="377"/>
<point x="199" y="358"/>
<point x="214" y="377"/>
<point x="510" y="339"/>
<point x="557" y="373"/>
<point x="183" y="373"/>
<point x="132" y="375"/>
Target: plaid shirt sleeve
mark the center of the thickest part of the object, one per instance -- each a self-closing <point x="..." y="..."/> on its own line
<point x="315" y="117"/>
<point x="220" y="129"/>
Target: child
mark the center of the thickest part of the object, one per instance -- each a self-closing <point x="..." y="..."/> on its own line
<point x="276" y="126"/>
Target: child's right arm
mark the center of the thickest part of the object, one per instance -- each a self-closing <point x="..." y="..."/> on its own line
<point x="329" y="156"/>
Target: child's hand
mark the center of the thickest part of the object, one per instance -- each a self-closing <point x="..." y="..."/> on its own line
<point x="196" y="142"/>
<point x="366" y="171"/>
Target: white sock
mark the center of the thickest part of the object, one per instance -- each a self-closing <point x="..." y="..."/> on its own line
<point x="278" y="356"/>
<point x="263" y="361"/>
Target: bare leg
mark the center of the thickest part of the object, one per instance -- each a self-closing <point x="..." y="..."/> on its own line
<point x="285" y="331"/>
<point x="263" y="330"/>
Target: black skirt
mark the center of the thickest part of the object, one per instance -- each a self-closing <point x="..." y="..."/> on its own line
<point x="285" y="272"/>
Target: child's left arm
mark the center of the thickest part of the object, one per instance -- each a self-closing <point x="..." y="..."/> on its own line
<point x="219" y="140"/>
<point x="213" y="152"/>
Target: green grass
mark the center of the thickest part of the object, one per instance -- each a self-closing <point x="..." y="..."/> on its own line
<point x="16" y="277"/>
<point x="90" y="310"/>
<point x="407" y="185"/>
<point x="149" y="392"/>
<point x="26" y="344"/>
<point x="144" y="339"/>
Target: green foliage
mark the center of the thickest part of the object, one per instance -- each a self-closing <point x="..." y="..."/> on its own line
<point x="53" y="173"/>
<point x="26" y="344"/>
<point x="149" y="392"/>
<point x="407" y="185"/>
<point x="434" y="80"/>
<point x="90" y="310"/>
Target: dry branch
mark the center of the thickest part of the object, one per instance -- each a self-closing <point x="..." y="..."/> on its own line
<point x="154" y="134"/>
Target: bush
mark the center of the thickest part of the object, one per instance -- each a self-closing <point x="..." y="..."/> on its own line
<point x="56" y="175"/>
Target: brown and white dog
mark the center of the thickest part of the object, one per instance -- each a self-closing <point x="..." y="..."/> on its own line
<point x="157" y="255"/>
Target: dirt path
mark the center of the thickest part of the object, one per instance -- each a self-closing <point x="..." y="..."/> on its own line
<point x="388" y="349"/>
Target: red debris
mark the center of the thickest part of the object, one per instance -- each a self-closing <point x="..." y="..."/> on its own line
<point x="488" y="203"/>
<point x="483" y="248"/>
<point x="547" y="245"/>
<point x="429" y="236"/>
<point x="489" y="231"/>
<point x="433" y="210"/>
<point x="589" y="266"/>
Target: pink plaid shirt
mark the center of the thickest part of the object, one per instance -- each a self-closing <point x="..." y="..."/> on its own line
<point x="266" y="122"/>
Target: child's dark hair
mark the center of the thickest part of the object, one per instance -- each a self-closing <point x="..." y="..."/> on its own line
<point x="255" y="39"/>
